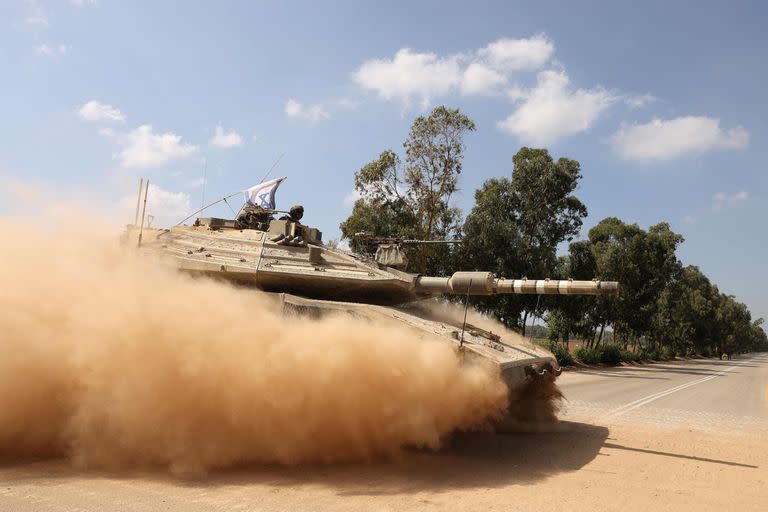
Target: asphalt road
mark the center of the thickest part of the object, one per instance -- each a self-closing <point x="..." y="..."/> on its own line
<point x="701" y="393"/>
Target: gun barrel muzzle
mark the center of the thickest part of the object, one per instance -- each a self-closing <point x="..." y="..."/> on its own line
<point x="556" y="287"/>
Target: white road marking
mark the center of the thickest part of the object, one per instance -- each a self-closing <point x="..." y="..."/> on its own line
<point x="661" y="394"/>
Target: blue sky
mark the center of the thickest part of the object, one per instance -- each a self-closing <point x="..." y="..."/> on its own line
<point x="663" y="104"/>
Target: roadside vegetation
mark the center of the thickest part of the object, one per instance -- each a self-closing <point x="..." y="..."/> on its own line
<point x="610" y="353"/>
<point x="519" y="220"/>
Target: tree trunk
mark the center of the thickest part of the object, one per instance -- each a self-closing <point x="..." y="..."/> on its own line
<point x="602" y="330"/>
<point x="525" y="321"/>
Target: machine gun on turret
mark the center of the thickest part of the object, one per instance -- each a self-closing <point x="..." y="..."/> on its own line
<point x="389" y="249"/>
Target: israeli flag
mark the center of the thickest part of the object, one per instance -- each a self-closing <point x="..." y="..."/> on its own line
<point x="263" y="194"/>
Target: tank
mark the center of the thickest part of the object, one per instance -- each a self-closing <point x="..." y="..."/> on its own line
<point x="288" y="259"/>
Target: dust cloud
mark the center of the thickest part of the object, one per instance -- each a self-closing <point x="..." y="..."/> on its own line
<point x="452" y="312"/>
<point x="116" y="362"/>
<point x="533" y="405"/>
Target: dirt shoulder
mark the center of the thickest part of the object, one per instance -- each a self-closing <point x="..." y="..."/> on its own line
<point x="577" y="466"/>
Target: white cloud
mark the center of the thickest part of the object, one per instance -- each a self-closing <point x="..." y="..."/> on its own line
<point x="351" y="198"/>
<point x="37" y="21"/>
<point x="143" y="148"/>
<point x="690" y="219"/>
<point x="293" y="108"/>
<point x="517" y="54"/>
<point x="84" y="3"/>
<point x="721" y="199"/>
<point x="348" y="103"/>
<point x="666" y="139"/>
<point x="481" y="79"/>
<point x="46" y="50"/>
<point x="550" y="110"/>
<point x="515" y="94"/>
<point x="313" y="113"/>
<point x="96" y="111"/>
<point x="410" y="76"/>
<point x="639" y="100"/>
<point x="37" y="18"/>
<point x="161" y="202"/>
<point x="196" y="183"/>
<point x="165" y="206"/>
<point x="224" y="139"/>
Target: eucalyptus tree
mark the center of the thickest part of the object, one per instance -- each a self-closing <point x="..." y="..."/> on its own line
<point x="517" y="223"/>
<point x="412" y="198"/>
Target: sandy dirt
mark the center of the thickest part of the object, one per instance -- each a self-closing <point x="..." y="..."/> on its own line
<point x="579" y="466"/>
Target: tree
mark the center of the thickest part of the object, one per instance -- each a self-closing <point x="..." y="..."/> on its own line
<point x="735" y="330"/>
<point x="571" y="316"/>
<point x="516" y="225"/>
<point x="415" y="201"/>
<point x="643" y="262"/>
<point x="685" y="313"/>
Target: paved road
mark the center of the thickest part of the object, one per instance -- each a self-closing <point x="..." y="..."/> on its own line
<point x="700" y="393"/>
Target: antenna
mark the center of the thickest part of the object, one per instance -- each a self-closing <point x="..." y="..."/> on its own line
<point x="272" y="168"/>
<point x="138" y="202"/>
<point x="225" y="197"/>
<point x="208" y="206"/>
<point x="205" y="169"/>
<point x="466" y="306"/>
<point x="143" y="212"/>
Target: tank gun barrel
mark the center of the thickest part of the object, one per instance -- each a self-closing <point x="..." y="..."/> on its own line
<point x="485" y="283"/>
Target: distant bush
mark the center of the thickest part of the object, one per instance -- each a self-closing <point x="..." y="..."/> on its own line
<point x="706" y="352"/>
<point x="630" y="356"/>
<point x="668" y="353"/>
<point x="587" y="355"/>
<point x="610" y="354"/>
<point x="652" y="353"/>
<point x="561" y="353"/>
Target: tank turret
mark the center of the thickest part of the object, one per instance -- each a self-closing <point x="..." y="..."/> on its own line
<point x="289" y="257"/>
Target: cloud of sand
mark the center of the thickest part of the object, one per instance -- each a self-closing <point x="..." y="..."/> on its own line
<point x="451" y="312"/>
<point x="532" y="404"/>
<point x="116" y="362"/>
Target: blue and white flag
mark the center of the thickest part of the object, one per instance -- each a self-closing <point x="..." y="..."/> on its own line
<point x="263" y="194"/>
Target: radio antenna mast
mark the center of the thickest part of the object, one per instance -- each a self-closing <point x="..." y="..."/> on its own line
<point x="205" y="169"/>
<point x="272" y="168"/>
